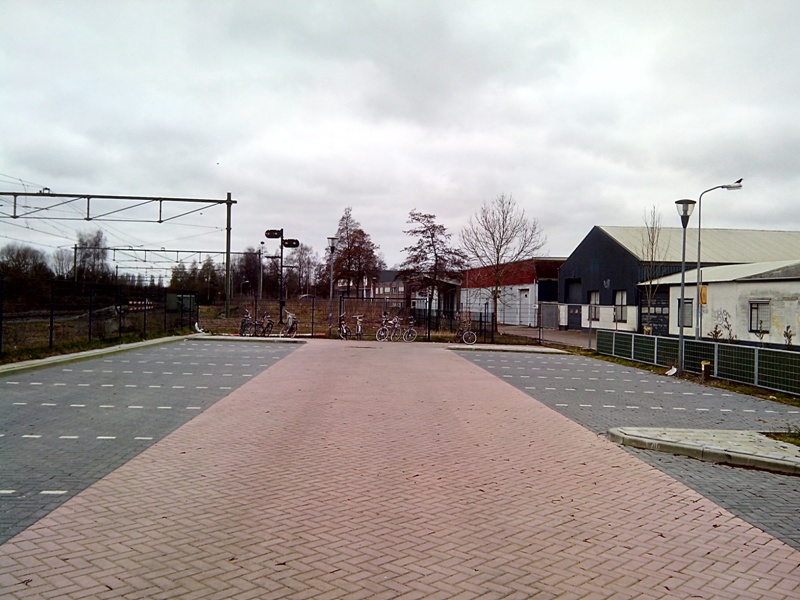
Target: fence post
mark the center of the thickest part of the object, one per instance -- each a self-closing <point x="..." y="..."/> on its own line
<point x="52" y="313"/>
<point x="2" y="297"/>
<point x="91" y="310"/>
<point x="755" y="366"/>
<point x="144" y="319"/>
<point x="716" y="359"/>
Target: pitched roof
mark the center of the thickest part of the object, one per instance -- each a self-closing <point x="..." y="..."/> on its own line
<point x="721" y="246"/>
<point x="771" y="271"/>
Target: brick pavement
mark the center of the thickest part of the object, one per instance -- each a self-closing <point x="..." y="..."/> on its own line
<point x="366" y="470"/>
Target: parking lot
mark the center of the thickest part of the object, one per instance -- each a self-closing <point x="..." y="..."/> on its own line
<point x="65" y="426"/>
<point x="600" y="395"/>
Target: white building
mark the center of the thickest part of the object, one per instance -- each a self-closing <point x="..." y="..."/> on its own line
<point x="754" y="302"/>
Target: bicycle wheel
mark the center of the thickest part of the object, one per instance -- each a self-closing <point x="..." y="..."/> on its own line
<point x="394" y="334"/>
<point x="293" y="330"/>
<point x="409" y="335"/>
<point x="469" y="337"/>
<point x="266" y="331"/>
<point x="344" y="332"/>
<point x="382" y="334"/>
<point x="243" y="328"/>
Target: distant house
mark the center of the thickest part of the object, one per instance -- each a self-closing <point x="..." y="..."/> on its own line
<point x="525" y="284"/>
<point x="599" y="283"/>
<point x="752" y="302"/>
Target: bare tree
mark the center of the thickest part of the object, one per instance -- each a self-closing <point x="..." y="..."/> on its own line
<point x="497" y="236"/>
<point x="62" y="263"/>
<point x="18" y="260"/>
<point x="653" y="255"/>
<point x="92" y="253"/>
<point x="305" y="260"/>
<point x="431" y="259"/>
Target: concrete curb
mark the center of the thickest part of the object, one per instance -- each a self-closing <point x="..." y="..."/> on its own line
<point x="774" y="460"/>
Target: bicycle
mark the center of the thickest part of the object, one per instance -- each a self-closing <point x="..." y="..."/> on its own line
<point x="410" y="334"/>
<point x="344" y="330"/>
<point x="290" y="327"/>
<point x="465" y="335"/>
<point x="263" y="328"/>
<point x="359" y="327"/>
<point x="247" y="327"/>
<point x="389" y="329"/>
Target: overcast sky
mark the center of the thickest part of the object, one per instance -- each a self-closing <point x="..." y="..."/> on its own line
<point x="586" y="112"/>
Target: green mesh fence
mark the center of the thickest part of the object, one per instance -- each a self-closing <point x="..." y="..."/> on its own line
<point x="644" y="349"/>
<point x="737" y="363"/>
<point x="623" y="345"/>
<point x="777" y="370"/>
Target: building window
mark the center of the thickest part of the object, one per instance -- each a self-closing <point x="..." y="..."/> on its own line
<point x="620" y="306"/>
<point x="760" y="316"/>
<point x="594" y="305"/>
<point x="687" y="311"/>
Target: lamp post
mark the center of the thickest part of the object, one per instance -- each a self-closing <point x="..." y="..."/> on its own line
<point x="332" y="249"/>
<point x="285" y="243"/>
<point x="685" y="208"/>
<point x="737" y="185"/>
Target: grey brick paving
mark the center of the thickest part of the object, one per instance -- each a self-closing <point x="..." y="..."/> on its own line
<point x="65" y="426"/>
<point x="385" y="471"/>
<point x="767" y="500"/>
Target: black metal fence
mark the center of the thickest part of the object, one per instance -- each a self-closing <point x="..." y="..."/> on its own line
<point x="38" y="314"/>
<point x="427" y="322"/>
<point x="768" y="368"/>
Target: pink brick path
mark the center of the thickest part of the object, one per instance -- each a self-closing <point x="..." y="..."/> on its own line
<point x="365" y="470"/>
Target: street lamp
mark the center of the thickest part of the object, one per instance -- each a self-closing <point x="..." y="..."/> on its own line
<point x="285" y="243"/>
<point x="332" y="248"/>
<point x="685" y="208"/>
<point x="737" y="185"/>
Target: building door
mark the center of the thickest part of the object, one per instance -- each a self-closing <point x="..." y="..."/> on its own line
<point x="524" y="307"/>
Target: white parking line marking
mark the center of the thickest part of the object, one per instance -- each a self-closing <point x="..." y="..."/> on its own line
<point x="135" y="406"/>
<point x="106" y="406"/>
<point x="31" y="435"/>
<point x="106" y="437"/>
<point x="68" y="437"/>
<point x="6" y="492"/>
<point x="53" y="492"/>
<point x="77" y="405"/>
<point x="143" y="438"/>
<point x="193" y="408"/>
<point x="49" y="404"/>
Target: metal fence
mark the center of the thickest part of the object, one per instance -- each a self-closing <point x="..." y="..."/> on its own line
<point x="767" y="368"/>
<point x="426" y="322"/>
<point x="38" y="314"/>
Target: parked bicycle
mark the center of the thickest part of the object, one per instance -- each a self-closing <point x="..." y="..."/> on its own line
<point x="290" y="327"/>
<point x="344" y="329"/>
<point x="466" y="335"/>
<point x="410" y="334"/>
<point x="263" y="328"/>
<point x="389" y="329"/>
<point x="359" y="326"/>
<point x="247" y="326"/>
